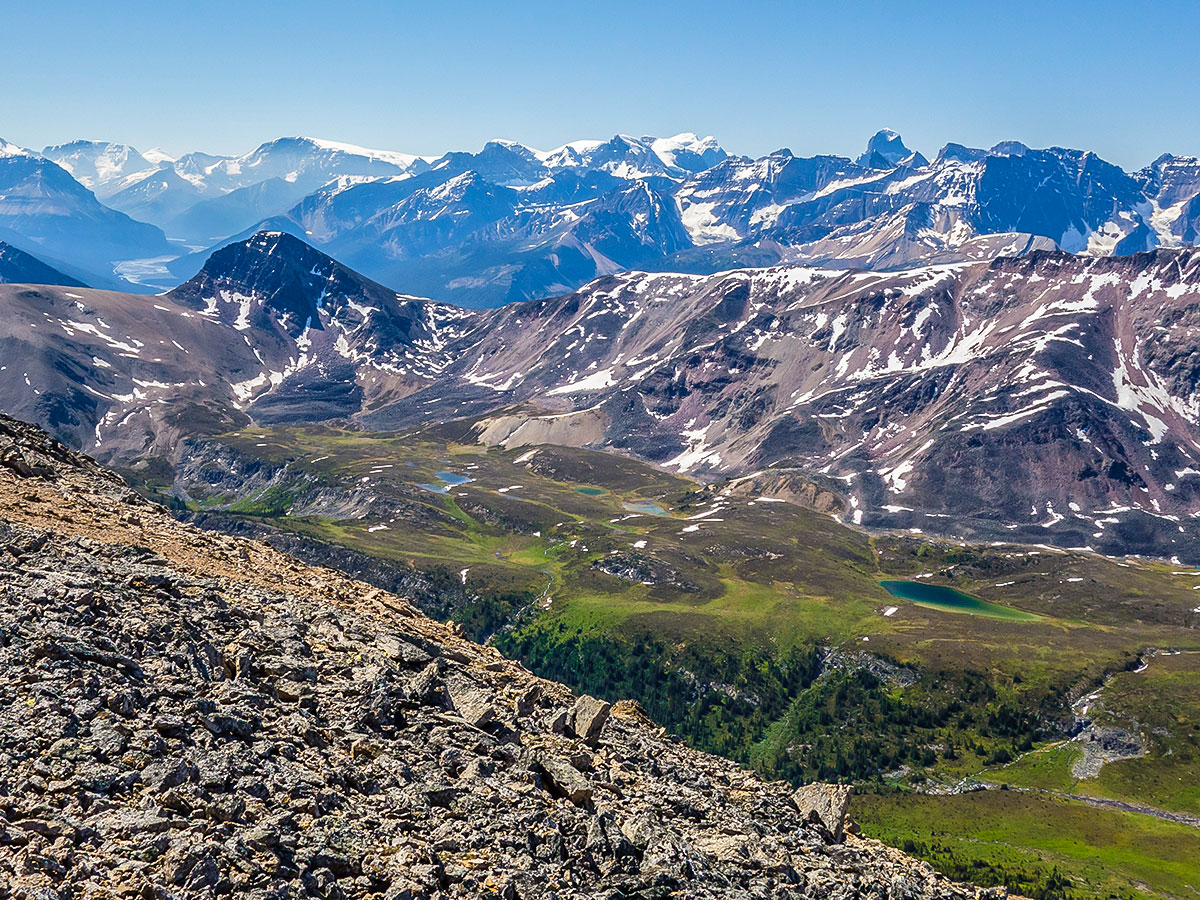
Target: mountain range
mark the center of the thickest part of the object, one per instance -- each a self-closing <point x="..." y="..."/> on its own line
<point x="509" y="222"/>
<point x="651" y="419"/>
<point x="1042" y="398"/>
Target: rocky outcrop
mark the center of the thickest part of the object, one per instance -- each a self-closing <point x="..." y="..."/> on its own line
<point x="184" y="714"/>
<point x="1103" y="744"/>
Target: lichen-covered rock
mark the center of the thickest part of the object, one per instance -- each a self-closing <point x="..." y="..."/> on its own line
<point x="188" y="715"/>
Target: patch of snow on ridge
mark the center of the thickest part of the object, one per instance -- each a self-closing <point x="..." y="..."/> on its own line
<point x="7" y="149"/>
<point x="403" y="160"/>
<point x="697" y="452"/>
<point x="703" y="225"/>
<point x="597" y="381"/>
<point x="897" y="477"/>
<point x="1136" y="398"/>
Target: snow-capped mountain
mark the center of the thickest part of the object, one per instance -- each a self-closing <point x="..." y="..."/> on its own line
<point x="1045" y="398"/>
<point x="301" y="310"/>
<point x="886" y="150"/>
<point x="687" y="151"/>
<point x="46" y="212"/>
<point x="510" y="222"/>
<point x="270" y="328"/>
<point x="1172" y="183"/>
<point x="236" y="191"/>
<point x="295" y="160"/>
<point x="482" y="229"/>
<point x="890" y="209"/>
<point x="101" y="166"/>
<point x="830" y="210"/>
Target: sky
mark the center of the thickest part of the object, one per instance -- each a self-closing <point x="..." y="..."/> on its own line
<point x="222" y="77"/>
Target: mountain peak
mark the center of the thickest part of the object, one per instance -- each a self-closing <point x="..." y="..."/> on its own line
<point x="885" y="145"/>
<point x="395" y="158"/>
<point x="100" y="166"/>
<point x="271" y="276"/>
<point x="7" y="149"/>
<point x="688" y="151"/>
<point x="1009" y="148"/>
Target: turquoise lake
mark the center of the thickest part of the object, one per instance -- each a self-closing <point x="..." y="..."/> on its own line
<point x="646" y="507"/>
<point x="448" y="480"/>
<point x="935" y="596"/>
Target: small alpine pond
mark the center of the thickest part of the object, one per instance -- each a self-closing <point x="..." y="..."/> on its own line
<point x="936" y="596"/>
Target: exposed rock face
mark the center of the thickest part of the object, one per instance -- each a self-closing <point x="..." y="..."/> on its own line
<point x="190" y="715"/>
<point x="1104" y="744"/>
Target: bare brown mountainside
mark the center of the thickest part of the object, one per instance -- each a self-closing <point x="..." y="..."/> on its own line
<point x="1048" y="397"/>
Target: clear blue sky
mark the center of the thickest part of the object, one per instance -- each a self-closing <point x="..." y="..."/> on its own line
<point x="220" y="76"/>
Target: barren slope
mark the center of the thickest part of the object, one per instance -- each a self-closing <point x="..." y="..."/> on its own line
<point x="190" y="715"/>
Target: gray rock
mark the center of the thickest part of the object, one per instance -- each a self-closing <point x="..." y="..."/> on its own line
<point x="588" y="716"/>
<point x="563" y="780"/>
<point x="472" y="701"/>
<point x="825" y="804"/>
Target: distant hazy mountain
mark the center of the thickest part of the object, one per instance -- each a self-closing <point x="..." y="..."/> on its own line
<point x="886" y="150"/>
<point x="237" y="191"/>
<point x="158" y="196"/>
<point x="18" y="267"/>
<point x="51" y="214"/>
<point x="103" y="167"/>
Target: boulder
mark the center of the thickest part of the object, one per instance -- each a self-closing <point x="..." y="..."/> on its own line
<point x="472" y="701"/>
<point x="562" y="779"/>
<point x="825" y="805"/>
<point x="588" y="716"/>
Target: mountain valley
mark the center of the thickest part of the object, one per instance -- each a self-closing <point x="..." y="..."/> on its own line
<point x="1040" y="399"/>
<point x="880" y="472"/>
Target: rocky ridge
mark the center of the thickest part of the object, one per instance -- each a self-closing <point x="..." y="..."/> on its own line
<point x="187" y="714"/>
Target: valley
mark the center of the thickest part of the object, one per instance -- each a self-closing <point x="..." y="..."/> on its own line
<point x="1043" y="399"/>
<point x="761" y="630"/>
<point x="880" y="471"/>
<point x="544" y="451"/>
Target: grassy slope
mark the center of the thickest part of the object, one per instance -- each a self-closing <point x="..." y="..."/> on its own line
<point x="988" y="835"/>
<point x="1162" y="702"/>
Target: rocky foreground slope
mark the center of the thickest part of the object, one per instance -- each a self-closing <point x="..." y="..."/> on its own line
<point x="185" y="714"/>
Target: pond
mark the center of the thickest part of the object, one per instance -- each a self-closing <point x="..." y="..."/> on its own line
<point x="448" y="480"/>
<point x="591" y="491"/>
<point x="646" y="507"/>
<point x="935" y="596"/>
